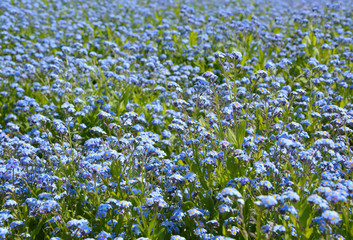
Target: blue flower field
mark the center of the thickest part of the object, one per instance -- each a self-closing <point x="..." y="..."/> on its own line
<point x="176" y="120"/>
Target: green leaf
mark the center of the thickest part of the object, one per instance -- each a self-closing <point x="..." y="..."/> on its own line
<point x="193" y="39"/>
<point x="209" y="203"/>
<point x="39" y="227"/>
<point x="188" y="205"/>
<point x="231" y="137"/>
<point x="180" y="163"/>
<point x="237" y="137"/>
<point x="152" y="226"/>
<point x="159" y="18"/>
<point x="249" y="40"/>
<point x="304" y="215"/>
<point x="261" y="58"/>
<point x="308" y="232"/>
<point x="307" y="40"/>
<point x="109" y="33"/>
<point x="203" y="122"/>
<point x="231" y="166"/>
<point x="312" y="38"/>
<point x="115" y="169"/>
<point x="241" y="130"/>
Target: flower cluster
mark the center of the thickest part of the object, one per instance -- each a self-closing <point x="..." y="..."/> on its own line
<point x="176" y="120"/>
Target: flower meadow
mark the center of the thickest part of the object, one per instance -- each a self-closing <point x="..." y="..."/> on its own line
<point x="156" y="119"/>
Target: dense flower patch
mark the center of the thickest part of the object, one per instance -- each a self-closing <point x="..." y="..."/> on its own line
<point x="176" y="120"/>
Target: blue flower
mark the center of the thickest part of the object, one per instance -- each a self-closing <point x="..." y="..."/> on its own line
<point x="266" y="201"/>
<point x="331" y="217"/>
<point x="177" y="237"/>
<point x="279" y="229"/>
<point x="78" y="228"/>
<point x="4" y="231"/>
<point x="233" y="230"/>
<point x="229" y="192"/>
<point x="235" y="55"/>
<point x="224" y="208"/>
<point x="103" y="236"/>
<point x="16" y="224"/>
